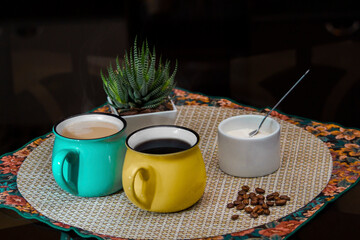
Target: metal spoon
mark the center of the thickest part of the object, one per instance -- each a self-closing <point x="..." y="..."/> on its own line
<point x="256" y="131"/>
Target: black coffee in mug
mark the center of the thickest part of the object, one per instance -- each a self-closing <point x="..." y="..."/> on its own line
<point x="162" y="146"/>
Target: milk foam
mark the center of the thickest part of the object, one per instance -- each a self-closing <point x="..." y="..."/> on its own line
<point x="89" y="129"/>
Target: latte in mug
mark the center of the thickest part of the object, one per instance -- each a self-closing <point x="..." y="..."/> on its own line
<point x="89" y="129"/>
<point x="89" y="126"/>
<point x="88" y="154"/>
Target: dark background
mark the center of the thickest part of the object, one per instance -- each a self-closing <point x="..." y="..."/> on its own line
<point x="249" y="51"/>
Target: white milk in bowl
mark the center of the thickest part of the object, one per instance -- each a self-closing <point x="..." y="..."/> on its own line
<point x="244" y="133"/>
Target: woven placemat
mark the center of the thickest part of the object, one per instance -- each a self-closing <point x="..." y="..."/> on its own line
<point x="305" y="170"/>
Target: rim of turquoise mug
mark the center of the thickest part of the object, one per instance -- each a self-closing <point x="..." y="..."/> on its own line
<point x="164" y="125"/>
<point x="84" y="114"/>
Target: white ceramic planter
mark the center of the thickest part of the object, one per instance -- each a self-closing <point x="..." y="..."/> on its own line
<point x="138" y="121"/>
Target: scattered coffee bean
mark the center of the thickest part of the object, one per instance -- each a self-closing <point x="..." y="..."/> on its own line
<point x="260" y="197"/>
<point x="285" y="197"/>
<point x="259" y="190"/>
<point x="248" y="209"/>
<point x="256" y="208"/>
<point x="230" y="205"/>
<point x="254" y="201"/>
<point x="260" y="211"/>
<point x="275" y="194"/>
<point x="280" y="202"/>
<point x="260" y="205"/>
<point x="237" y="202"/>
<point x="266" y="211"/>
<point x="239" y="198"/>
<point x="270" y="197"/>
<point x="241" y="192"/>
<point x="241" y="206"/>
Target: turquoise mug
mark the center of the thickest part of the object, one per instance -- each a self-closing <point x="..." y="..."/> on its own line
<point x="88" y="154"/>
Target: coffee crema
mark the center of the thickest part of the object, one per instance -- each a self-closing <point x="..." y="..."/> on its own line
<point x="162" y="146"/>
<point x="89" y="130"/>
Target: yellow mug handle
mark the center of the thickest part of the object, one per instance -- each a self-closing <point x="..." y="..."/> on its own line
<point x="147" y="177"/>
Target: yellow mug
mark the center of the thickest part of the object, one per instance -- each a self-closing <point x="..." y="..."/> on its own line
<point x="163" y="170"/>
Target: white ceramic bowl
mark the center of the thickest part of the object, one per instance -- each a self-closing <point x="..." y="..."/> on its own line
<point x="249" y="157"/>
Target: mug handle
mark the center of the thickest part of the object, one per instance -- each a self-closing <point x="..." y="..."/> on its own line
<point x="58" y="166"/>
<point x="148" y="186"/>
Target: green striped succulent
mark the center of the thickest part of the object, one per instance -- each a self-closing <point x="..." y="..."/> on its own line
<point x="139" y="82"/>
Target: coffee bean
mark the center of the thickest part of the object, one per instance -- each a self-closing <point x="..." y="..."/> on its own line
<point x="254" y="201"/>
<point x="239" y="198"/>
<point x="270" y="203"/>
<point x="266" y="211"/>
<point x="261" y="202"/>
<point x="280" y="202"/>
<point x="246" y="196"/>
<point x="245" y="188"/>
<point x="248" y="209"/>
<point x="254" y="198"/>
<point x="246" y="201"/>
<point x="234" y="217"/>
<point x="254" y="215"/>
<point x="237" y="202"/>
<point x="241" y="206"/>
<point x="260" y="211"/>
<point x="264" y="206"/>
<point x="275" y="194"/>
<point x="252" y="194"/>
<point x="260" y="197"/>
<point x="270" y="197"/>
<point x="256" y="208"/>
<point x="259" y="190"/>
<point x="230" y="205"/>
<point x="241" y="192"/>
<point x="285" y="197"/>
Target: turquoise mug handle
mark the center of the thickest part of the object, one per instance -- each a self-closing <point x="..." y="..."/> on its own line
<point x="58" y="168"/>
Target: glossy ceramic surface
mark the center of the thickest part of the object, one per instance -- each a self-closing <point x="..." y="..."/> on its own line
<point x="249" y="157"/>
<point x="164" y="182"/>
<point x="89" y="167"/>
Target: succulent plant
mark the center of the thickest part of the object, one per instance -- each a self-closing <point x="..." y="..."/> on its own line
<point x="139" y="82"/>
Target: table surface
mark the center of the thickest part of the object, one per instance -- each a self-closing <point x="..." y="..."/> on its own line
<point x="332" y="214"/>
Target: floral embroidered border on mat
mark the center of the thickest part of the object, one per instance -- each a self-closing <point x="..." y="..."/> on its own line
<point x="344" y="145"/>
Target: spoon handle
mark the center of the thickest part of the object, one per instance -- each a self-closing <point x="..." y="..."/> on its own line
<point x="283" y="97"/>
